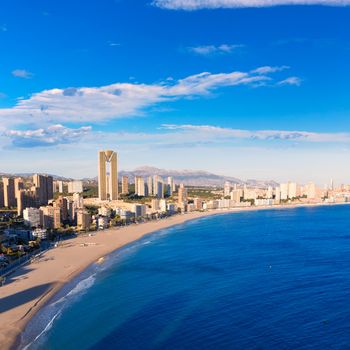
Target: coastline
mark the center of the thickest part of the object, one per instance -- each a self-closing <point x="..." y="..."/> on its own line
<point x="33" y="285"/>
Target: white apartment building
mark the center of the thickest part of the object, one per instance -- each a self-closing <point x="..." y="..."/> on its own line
<point x="31" y="217"/>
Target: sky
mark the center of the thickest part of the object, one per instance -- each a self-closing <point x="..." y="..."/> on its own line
<point x="255" y="89"/>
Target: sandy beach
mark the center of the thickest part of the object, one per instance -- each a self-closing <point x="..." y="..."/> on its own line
<point x="32" y="285"/>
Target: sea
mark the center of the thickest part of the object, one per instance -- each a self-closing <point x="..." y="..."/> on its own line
<point x="268" y="279"/>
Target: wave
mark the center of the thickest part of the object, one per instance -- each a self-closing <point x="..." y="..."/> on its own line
<point x="45" y="318"/>
<point x="45" y="330"/>
<point x="80" y="288"/>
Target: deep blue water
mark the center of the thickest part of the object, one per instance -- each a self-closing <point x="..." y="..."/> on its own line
<point x="274" y="279"/>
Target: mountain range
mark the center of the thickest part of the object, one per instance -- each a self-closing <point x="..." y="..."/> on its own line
<point x="187" y="177"/>
<point x="194" y="177"/>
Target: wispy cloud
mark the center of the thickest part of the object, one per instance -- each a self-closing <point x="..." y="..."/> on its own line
<point x="209" y="132"/>
<point x="120" y="100"/>
<point x="190" y="5"/>
<point x="50" y="136"/>
<point x="22" y="73"/>
<point x="206" y="50"/>
<point x="181" y="136"/>
<point x="3" y="28"/>
<point x="113" y="44"/>
<point x="291" y="81"/>
<point x="269" y="69"/>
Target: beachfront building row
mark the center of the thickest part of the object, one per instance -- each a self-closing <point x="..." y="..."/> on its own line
<point x="286" y="192"/>
<point x="154" y="186"/>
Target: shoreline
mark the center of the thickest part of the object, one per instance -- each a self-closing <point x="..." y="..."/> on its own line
<point x="32" y="286"/>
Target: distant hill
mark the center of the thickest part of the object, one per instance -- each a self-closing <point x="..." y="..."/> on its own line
<point x="187" y="177"/>
<point x="193" y="177"/>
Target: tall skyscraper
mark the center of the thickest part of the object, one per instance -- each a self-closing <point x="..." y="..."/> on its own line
<point x="19" y="185"/>
<point x="26" y="199"/>
<point x="43" y="187"/>
<point x="182" y="196"/>
<point x="9" y="192"/>
<point x="227" y="189"/>
<point x="125" y="185"/>
<point x="277" y="195"/>
<point x="150" y="186"/>
<point x="170" y="185"/>
<point x="62" y="203"/>
<point x="58" y="186"/>
<point x="1" y="194"/>
<point x="284" y="191"/>
<point x="158" y="188"/>
<point x="139" y="186"/>
<point x="104" y="191"/>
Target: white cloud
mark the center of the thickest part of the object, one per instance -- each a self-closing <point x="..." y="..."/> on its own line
<point x="50" y="136"/>
<point x="22" y="73"/>
<point x="218" y="134"/>
<point x="112" y="43"/>
<point x="290" y="81"/>
<point x="96" y="104"/>
<point x="206" y="50"/>
<point x="215" y="4"/>
<point x="269" y="69"/>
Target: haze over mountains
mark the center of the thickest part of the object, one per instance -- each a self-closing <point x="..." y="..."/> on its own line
<point x="194" y="177"/>
<point x="187" y="177"/>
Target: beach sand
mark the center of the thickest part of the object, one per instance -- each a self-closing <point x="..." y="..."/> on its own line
<point x="32" y="285"/>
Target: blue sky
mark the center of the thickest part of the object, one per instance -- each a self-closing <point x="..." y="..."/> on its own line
<point x="229" y="86"/>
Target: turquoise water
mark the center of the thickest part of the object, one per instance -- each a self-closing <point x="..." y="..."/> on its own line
<point x="274" y="279"/>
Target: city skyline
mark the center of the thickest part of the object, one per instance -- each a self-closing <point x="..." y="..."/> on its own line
<point x="214" y="95"/>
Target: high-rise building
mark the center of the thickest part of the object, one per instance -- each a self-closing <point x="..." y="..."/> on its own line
<point x="83" y="219"/>
<point x="293" y="190"/>
<point x="26" y="199"/>
<point x="75" y="186"/>
<point x="50" y="217"/>
<point x="58" y="186"/>
<point x="62" y="203"/>
<point x="78" y="200"/>
<point x="9" y="192"/>
<point x="125" y="185"/>
<point x="19" y="185"/>
<point x="236" y="196"/>
<point x="104" y="191"/>
<point x="277" y="195"/>
<point x="227" y="189"/>
<point x="311" y="190"/>
<point x="139" y="186"/>
<point x="43" y="186"/>
<point x="1" y="194"/>
<point x="150" y="186"/>
<point x="158" y="186"/>
<point x="284" y="188"/>
<point x="182" y="196"/>
<point x="170" y="185"/>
